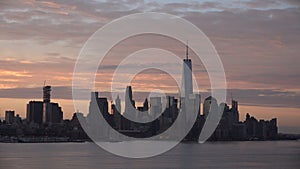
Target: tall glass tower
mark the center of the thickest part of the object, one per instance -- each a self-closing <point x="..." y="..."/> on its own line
<point x="187" y="85"/>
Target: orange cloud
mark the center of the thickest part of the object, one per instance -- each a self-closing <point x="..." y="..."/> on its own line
<point x="26" y="62"/>
<point x="7" y="86"/>
<point x="15" y="73"/>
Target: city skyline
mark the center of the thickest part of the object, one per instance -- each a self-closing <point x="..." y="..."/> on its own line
<point x="153" y="120"/>
<point x="258" y="43"/>
<point x="44" y="123"/>
<point x="49" y="113"/>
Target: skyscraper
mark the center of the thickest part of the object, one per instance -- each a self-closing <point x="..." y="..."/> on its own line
<point x="98" y="103"/>
<point x="9" y="116"/>
<point x="117" y="113"/>
<point x="55" y="113"/>
<point x="129" y="102"/>
<point x="35" y="112"/>
<point x="235" y="111"/>
<point x="209" y="105"/>
<point x="103" y="106"/>
<point x="98" y="115"/>
<point x="189" y="102"/>
<point x="145" y="105"/>
<point x="129" y="108"/>
<point x="171" y="107"/>
<point x="187" y="85"/>
<point x="118" y="104"/>
<point x="52" y="113"/>
<point x="46" y="94"/>
<point x="46" y="103"/>
<point x="155" y="106"/>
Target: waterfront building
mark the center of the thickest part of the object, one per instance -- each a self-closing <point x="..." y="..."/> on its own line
<point x="35" y="112"/>
<point x="9" y="116"/>
<point x="208" y="104"/>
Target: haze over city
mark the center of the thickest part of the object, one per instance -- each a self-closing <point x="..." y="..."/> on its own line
<point x="258" y="43"/>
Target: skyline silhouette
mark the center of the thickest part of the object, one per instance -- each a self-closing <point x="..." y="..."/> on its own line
<point x="257" y="41"/>
<point x="149" y="84"/>
<point x="48" y="114"/>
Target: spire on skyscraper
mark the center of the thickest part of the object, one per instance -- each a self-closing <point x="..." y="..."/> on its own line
<point x="187" y="50"/>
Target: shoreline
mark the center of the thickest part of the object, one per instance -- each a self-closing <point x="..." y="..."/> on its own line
<point x="68" y="140"/>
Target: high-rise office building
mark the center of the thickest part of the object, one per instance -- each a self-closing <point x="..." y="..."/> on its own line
<point x="103" y="106"/>
<point x="98" y="105"/>
<point x="55" y="113"/>
<point x="129" y="102"/>
<point x="187" y="85"/>
<point x="46" y="103"/>
<point x="189" y="102"/>
<point x="169" y="114"/>
<point x="130" y="109"/>
<point x="273" y="129"/>
<point x="235" y="111"/>
<point x="145" y="105"/>
<point x="171" y="107"/>
<point x="209" y="105"/>
<point x="117" y="112"/>
<point x="9" y="116"/>
<point x="118" y="104"/>
<point x="155" y="106"/>
<point x="35" y="112"/>
<point x="52" y="112"/>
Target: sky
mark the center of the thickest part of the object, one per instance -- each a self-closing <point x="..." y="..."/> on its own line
<point x="257" y="41"/>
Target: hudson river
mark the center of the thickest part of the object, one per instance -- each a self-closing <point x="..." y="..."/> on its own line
<point x="223" y="155"/>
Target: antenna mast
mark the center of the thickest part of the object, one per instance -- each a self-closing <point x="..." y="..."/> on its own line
<point x="187" y="50"/>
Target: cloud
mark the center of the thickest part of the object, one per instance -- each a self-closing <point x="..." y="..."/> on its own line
<point x="49" y="21"/>
<point x="258" y="42"/>
<point x="266" y="97"/>
<point x="52" y="54"/>
<point x="28" y="73"/>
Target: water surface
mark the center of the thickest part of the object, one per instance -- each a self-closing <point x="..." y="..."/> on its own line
<point x="263" y="155"/>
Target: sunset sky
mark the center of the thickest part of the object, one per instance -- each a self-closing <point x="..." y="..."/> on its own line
<point x="258" y="43"/>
